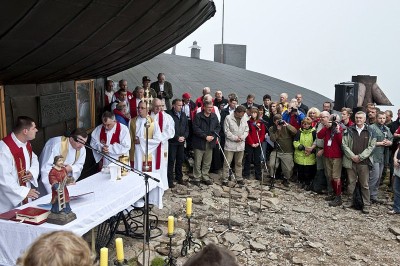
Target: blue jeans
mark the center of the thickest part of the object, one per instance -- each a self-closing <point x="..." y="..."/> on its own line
<point x="396" y="189"/>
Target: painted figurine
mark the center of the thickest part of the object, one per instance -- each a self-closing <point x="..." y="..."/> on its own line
<point x="59" y="179"/>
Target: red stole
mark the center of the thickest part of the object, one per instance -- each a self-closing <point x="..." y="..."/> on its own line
<point x="118" y="112"/>
<point x="19" y="159"/>
<point x="115" y="136"/>
<point x="133" y="107"/>
<point x="158" y="157"/>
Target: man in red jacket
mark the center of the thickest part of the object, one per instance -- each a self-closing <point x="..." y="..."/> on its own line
<point x="332" y="135"/>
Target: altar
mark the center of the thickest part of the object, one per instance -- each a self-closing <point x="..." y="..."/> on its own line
<point x="100" y="199"/>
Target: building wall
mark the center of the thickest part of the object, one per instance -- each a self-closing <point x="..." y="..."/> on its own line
<point x="24" y="100"/>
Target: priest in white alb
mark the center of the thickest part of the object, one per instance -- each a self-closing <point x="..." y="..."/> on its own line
<point x="19" y="166"/>
<point x="111" y="138"/>
<point x="71" y="148"/>
<point x="137" y="154"/>
<point x="167" y="128"/>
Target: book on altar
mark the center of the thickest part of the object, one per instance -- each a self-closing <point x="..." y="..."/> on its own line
<point x="32" y="215"/>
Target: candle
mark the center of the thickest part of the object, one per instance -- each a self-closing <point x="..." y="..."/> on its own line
<point x="104" y="257"/>
<point x="171" y="221"/>
<point x="120" y="249"/>
<point x="189" y="206"/>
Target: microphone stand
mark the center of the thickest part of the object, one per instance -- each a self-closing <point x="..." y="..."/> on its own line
<point x="140" y="173"/>
<point x="231" y="176"/>
<point x="265" y="166"/>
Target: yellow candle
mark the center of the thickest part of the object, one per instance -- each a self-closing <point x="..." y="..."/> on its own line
<point x="120" y="249"/>
<point x="171" y="221"/>
<point x="189" y="206"/>
<point x="104" y="257"/>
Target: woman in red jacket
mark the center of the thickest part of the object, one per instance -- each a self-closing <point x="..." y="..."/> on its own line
<point x="252" y="149"/>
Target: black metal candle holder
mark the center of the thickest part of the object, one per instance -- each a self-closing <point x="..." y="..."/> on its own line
<point x="189" y="242"/>
<point x="121" y="263"/>
<point x="170" y="261"/>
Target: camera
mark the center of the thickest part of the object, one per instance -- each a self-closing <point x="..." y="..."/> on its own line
<point x="281" y="122"/>
<point x="333" y="122"/>
<point x="294" y="110"/>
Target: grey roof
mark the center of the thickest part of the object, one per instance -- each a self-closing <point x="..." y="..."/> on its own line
<point x="192" y="75"/>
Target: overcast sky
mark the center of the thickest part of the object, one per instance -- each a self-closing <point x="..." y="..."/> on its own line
<point x="311" y="43"/>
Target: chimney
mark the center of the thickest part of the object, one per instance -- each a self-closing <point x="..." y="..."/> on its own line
<point x="195" y="50"/>
<point x="234" y="54"/>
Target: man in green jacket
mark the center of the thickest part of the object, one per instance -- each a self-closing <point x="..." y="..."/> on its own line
<point x="357" y="144"/>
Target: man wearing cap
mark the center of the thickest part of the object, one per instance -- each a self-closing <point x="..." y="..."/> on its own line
<point x="146" y="86"/>
<point x="163" y="90"/>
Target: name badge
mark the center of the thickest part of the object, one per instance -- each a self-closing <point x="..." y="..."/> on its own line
<point x="329" y="143"/>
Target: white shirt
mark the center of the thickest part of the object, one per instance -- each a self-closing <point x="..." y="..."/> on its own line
<point x="186" y="110"/>
<point x="360" y="129"/>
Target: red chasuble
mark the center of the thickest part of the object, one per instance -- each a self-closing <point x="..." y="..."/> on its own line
<point x="19" y="159"/>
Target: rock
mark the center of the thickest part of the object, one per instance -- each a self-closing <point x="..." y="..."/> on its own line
<point x="297" y="261"/>
<point x="398" y="238"/>
<point x="355" y="257"/>
<point x="347" y="243"/>
<point x="231" y="237"/>
<point x="395" y="230"/>
<point x="272" y="256"/>
<point x="298" y="245"/>
<point x="238" y="247"/>
<point x="257" y="246"/>
<point x="217" y="193"/>
<point x="203" y="231"/>
<point x="315" y="244"/>
<point x="301" y="210"/>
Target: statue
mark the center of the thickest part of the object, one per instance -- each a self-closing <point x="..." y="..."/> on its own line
<point x="61" y="212"/>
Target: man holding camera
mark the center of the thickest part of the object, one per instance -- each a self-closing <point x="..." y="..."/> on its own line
<point x="293" y="115"/>
<point x="282" y="134"/>
<point x="332" y="135"/>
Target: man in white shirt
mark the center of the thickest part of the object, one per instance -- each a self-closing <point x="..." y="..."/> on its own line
<point x="111" y="138"/>
<point x="19" y="166"/>
<point x="71" y="150"/>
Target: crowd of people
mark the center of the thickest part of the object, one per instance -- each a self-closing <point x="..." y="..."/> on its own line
<point x="322" y="150"/>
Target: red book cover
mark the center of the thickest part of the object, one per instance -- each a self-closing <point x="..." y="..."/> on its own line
<point x="8" y="215"/>
<point x="32" y="215"/>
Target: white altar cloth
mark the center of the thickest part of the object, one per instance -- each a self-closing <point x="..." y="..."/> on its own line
<point x="108" y="199"/>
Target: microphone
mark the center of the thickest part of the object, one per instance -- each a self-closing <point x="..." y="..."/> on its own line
<point x="255" y="124"/>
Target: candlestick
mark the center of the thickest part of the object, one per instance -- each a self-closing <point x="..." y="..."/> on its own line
<point x="170" y="260"/>
<point x="171" y="221"/>
<point x="189" y="241"/>
<point x="104" y="257"/>
<point x="120" y="249"/>
<point x="189" y="207"/>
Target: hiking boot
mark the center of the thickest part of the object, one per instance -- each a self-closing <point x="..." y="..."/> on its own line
<point x="366" y="209"/>
<point x="330" y="197"/>
<point x="336" y="202"/>
<point x="377" y="201"/>
<point x="240" y="182"/>
<point x="207" y="182"/>
<point x="225" y="182"/>
<point x="348" y="204"/>
<point x="196" y="182"/>
<point x="285" y="182"/>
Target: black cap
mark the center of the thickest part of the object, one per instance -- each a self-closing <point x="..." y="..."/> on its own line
<point x="146" y="78"/>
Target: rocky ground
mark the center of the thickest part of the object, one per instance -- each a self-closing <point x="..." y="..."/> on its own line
<point x="293" y="227"/>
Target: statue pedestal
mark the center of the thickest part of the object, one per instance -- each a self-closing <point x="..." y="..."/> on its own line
<point x="61" y="218"/>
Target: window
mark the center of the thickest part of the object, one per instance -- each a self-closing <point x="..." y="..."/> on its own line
<point x="85" y="106"/>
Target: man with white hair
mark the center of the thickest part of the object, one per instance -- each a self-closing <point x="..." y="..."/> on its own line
<point x="358" y="143"/>
<point x="167" y="130"/>
<point x="199" y="101"/>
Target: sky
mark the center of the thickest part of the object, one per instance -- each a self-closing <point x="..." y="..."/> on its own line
<point x="311" y="43"/>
